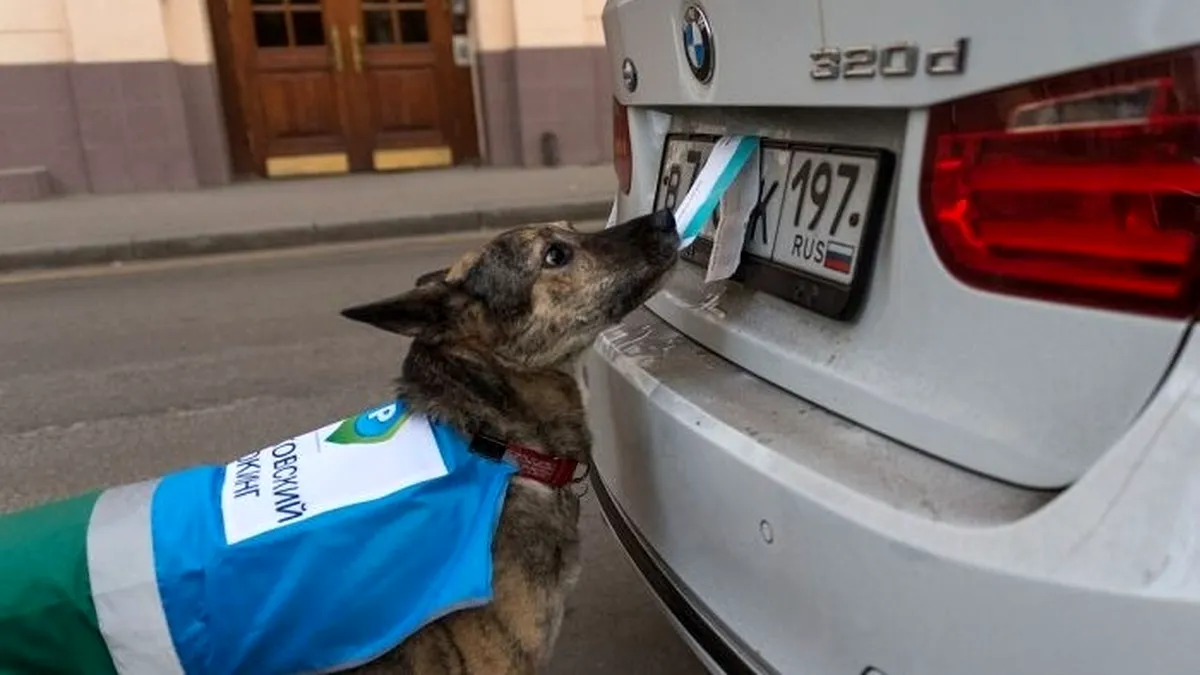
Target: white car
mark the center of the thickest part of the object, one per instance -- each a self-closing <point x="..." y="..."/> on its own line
<point x="945" y="419"/>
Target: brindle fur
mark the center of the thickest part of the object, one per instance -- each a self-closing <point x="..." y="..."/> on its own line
<point x="494" y="339"/>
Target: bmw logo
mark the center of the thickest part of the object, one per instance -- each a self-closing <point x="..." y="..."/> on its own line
<point x="698" y="43"/>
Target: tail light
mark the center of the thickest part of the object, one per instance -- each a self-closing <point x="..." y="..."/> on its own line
<point x="1083" y="188"/>
<point x="622" y="148"/>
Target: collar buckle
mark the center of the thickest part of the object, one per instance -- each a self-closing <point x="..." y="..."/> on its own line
<point x="555" y="472"/>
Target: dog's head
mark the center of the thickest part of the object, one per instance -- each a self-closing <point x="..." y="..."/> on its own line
<point x="537" y="296"/>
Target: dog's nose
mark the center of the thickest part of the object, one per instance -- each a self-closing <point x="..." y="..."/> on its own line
<point x="663" y="220"/>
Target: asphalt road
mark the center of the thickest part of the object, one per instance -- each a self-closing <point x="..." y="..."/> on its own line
<point x="119" y="374"/>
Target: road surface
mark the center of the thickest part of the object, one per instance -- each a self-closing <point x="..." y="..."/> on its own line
<point x="119" y="374"/>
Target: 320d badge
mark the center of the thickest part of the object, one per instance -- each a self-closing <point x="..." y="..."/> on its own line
<point x="896" y="60"/>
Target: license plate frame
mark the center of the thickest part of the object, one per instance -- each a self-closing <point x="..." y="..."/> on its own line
<point x="839" y="301"/>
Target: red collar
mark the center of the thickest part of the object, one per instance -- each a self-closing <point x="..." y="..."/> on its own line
<point x="535" y="465"/>
<point x="555" y="472"/>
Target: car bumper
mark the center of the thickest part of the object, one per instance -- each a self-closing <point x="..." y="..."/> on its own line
<point x="717" y="649"/>
<point x="781" y="538"/>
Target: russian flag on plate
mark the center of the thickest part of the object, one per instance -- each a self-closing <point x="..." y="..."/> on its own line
<point x="839" y="257"/>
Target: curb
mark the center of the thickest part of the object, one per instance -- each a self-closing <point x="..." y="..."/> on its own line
<point x="314" y="234"/>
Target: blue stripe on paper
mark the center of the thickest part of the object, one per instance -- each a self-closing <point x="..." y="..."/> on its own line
<point x="695" y="226"/>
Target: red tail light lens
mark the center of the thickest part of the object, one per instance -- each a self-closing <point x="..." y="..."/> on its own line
<point x="1083" y="188"/>
<point x="622" y="148"/>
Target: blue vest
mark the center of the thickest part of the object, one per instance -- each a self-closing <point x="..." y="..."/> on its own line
<point x="326" y="551"/>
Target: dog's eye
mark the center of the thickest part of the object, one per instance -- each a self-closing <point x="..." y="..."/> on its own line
<point x="556" y="255"/>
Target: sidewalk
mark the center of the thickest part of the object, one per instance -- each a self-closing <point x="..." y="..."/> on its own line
<point x="267" y="214"/>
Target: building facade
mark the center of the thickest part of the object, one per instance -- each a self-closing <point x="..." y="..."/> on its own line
<point x="107" y="96"/>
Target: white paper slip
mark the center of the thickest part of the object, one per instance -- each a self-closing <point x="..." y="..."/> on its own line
<point x="729" y="156"/>
<point x="736" y="207"/>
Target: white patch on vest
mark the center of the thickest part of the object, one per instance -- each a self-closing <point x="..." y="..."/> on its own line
<point x="306" y="476"/>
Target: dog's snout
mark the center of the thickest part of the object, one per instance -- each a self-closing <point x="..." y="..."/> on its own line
<point x="663" y="220"/>
<point x="661" y="229"/>
<point x="651" y="237"/>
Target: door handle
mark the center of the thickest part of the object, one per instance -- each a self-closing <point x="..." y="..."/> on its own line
<point x="356" y="50"/>
<point x="338" y="65"/>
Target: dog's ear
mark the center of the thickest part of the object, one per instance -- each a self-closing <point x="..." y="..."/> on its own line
<point x="424" y="307"/>
<point x="430" y="277"/>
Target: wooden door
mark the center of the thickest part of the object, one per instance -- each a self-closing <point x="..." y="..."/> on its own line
<point x="295" y="84"/>
<point x="412" y="102"/>
<point x="329" y="86"/>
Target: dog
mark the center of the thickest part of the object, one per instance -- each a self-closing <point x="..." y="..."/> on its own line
<point x="494" y="339"/>
<point x="433" y="535"/>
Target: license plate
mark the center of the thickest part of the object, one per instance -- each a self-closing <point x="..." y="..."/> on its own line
<point x="812" y="238"/>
